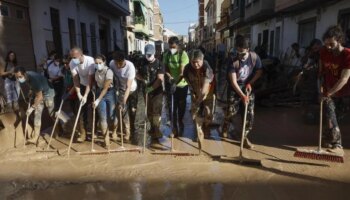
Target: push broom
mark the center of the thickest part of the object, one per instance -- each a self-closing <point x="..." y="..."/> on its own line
<point x="172" y="150"/>
<point x="319" y="154"/>
<point x="241" y="159"/>
<point x="122" y="148"/>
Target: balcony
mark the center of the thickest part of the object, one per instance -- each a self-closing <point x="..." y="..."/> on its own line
<point x="291" y="6"/>
<point x="223" y="23"/>
<point x="140" y="25"/>
<point x="236" y="12"/>
<point x="130" y="24"/>
<point x="113" y="7"/>
<point x="259" y="10"/>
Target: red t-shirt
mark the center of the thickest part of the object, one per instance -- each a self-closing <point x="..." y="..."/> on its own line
<point x="332" y="67"/>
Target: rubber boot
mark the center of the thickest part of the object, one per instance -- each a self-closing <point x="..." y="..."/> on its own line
<point x="105" y="133"/>
<point x="156" y="127"/>
<point x="35" y="138"/>
<point x="82" y="136"/>
<point x="127" y="134"/>
<point x="114" y="134"/>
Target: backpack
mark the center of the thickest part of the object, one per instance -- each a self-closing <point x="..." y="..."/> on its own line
<point x="254" y="57"/>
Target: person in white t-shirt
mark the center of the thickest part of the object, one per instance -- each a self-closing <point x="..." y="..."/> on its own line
<point x="55" y="77"/>
<point x="83" y="69"/>
<point x="125" y="74"/>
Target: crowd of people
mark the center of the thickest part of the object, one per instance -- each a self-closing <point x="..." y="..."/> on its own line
<point x="112" y="86"/>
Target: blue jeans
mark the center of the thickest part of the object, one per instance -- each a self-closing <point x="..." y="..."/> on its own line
<point x="107" y="108"/>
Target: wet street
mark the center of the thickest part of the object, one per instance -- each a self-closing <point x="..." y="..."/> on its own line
<point x="26" y="174"/>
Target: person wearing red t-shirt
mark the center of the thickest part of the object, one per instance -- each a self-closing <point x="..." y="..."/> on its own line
<point x="335" y="71"/>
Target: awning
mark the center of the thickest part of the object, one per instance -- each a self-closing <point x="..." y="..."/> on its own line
<point x="144" y="10"/>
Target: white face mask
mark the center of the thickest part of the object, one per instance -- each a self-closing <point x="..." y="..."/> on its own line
<point x="173" y="51"/>
<point x="150" y="58"/>
<point x="99" y="67"/>
<point x="76" y="61"/>
<point x="21" y="80"/>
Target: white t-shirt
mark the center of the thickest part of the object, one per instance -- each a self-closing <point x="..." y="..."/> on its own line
<point x="83" y="70"/>
<point x="102" y="76"/>
<point x="54" y="71"/>
<point x="124" y="74"/>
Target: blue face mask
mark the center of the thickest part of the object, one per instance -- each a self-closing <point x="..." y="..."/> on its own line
<point x="21" y="80"/>
<point x="76" y="61"/>
<point x="99" y="67"/>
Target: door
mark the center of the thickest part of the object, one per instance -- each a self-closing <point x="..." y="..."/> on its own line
<point x="104" y="36"/>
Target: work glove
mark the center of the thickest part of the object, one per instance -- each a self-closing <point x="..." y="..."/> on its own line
<point x="245" y="99"/>
<point x="29" y="111"/>
<point x="80" y="97"/>
<point x="122" y="107"/>
<point x="83" y="100"/>
<point x="65" y="96"/>
<point x="97" y="101"/>
<point x="149" y="89"/>
<point x="172" y="86"/>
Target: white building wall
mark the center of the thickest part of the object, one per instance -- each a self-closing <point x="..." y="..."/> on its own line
<point x="85" y="13"/>
<point x="325" y="17"/>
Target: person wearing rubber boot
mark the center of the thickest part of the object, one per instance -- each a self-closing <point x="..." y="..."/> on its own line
<point x="152" y="74"/>
<point x="125" y="74"/>
<point x="335" y="72"/>
<point x="243" y="73"/>
<point x="43" y="97"/>
<point x="82" y="68"/>
<point x="199" y="76"/>
<point x="105" y="102"/>
<point x="175" y="61"/>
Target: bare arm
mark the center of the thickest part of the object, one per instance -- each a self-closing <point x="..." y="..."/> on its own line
<point x="345" y="75"/>
<point x="38" y="99"/>
<point x="105" y="89"/>
<point x="159" y="81"/>
<point x="234" y="84"/>
<point x="127" y="91"/>
<point x="88" y="87"/>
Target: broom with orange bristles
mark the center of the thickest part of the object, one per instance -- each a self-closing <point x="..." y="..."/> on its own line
<point x="320" y="154"/>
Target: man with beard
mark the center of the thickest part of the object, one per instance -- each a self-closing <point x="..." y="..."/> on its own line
<point x="335" y="71"/>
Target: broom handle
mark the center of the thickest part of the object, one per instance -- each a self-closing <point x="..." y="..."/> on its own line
<point x="54" y="126"/>
<point x="321" y="121"/>
<point x="145" y="126"/>
<point x="93" y="122"/>
<point x="26" y="126"/>
<point x="121" y="127"/>
<point x="243" y="128"/>
<point x="74" y="128"/>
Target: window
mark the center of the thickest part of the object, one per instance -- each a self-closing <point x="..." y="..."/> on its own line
<point x="83" y="37"/>
<point x="344" y="19"/>
<point x="272" y="42"/>
<point x="4" y="10"/>
<point x="277" y="41"/>
<point x="20" y="14"/>
<point x="93" y="38"/>
<point x="307" y="31"/>
<point x="72" y="33"/>
<point x="259" y="39"/>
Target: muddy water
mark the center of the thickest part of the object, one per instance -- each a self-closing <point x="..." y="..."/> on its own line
<point x="26" y="174"/>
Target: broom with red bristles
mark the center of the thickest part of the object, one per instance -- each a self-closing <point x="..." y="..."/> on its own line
<point x="319" y="154"/>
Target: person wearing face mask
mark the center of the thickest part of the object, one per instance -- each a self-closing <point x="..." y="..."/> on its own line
<point x="199" y="76"/>
<point x="70" y="93"/>
<point x="152" y="74"/>
<point x="242" y="74"/>
<point x="82" y="68"/>
<point x="43" y="96"/>
<point x="125" y="74"/>
<point x="175" y="61"/>
<point x="105" y="102"/>
<point x="55" y="78"/>
<point x="335" y="72"/>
